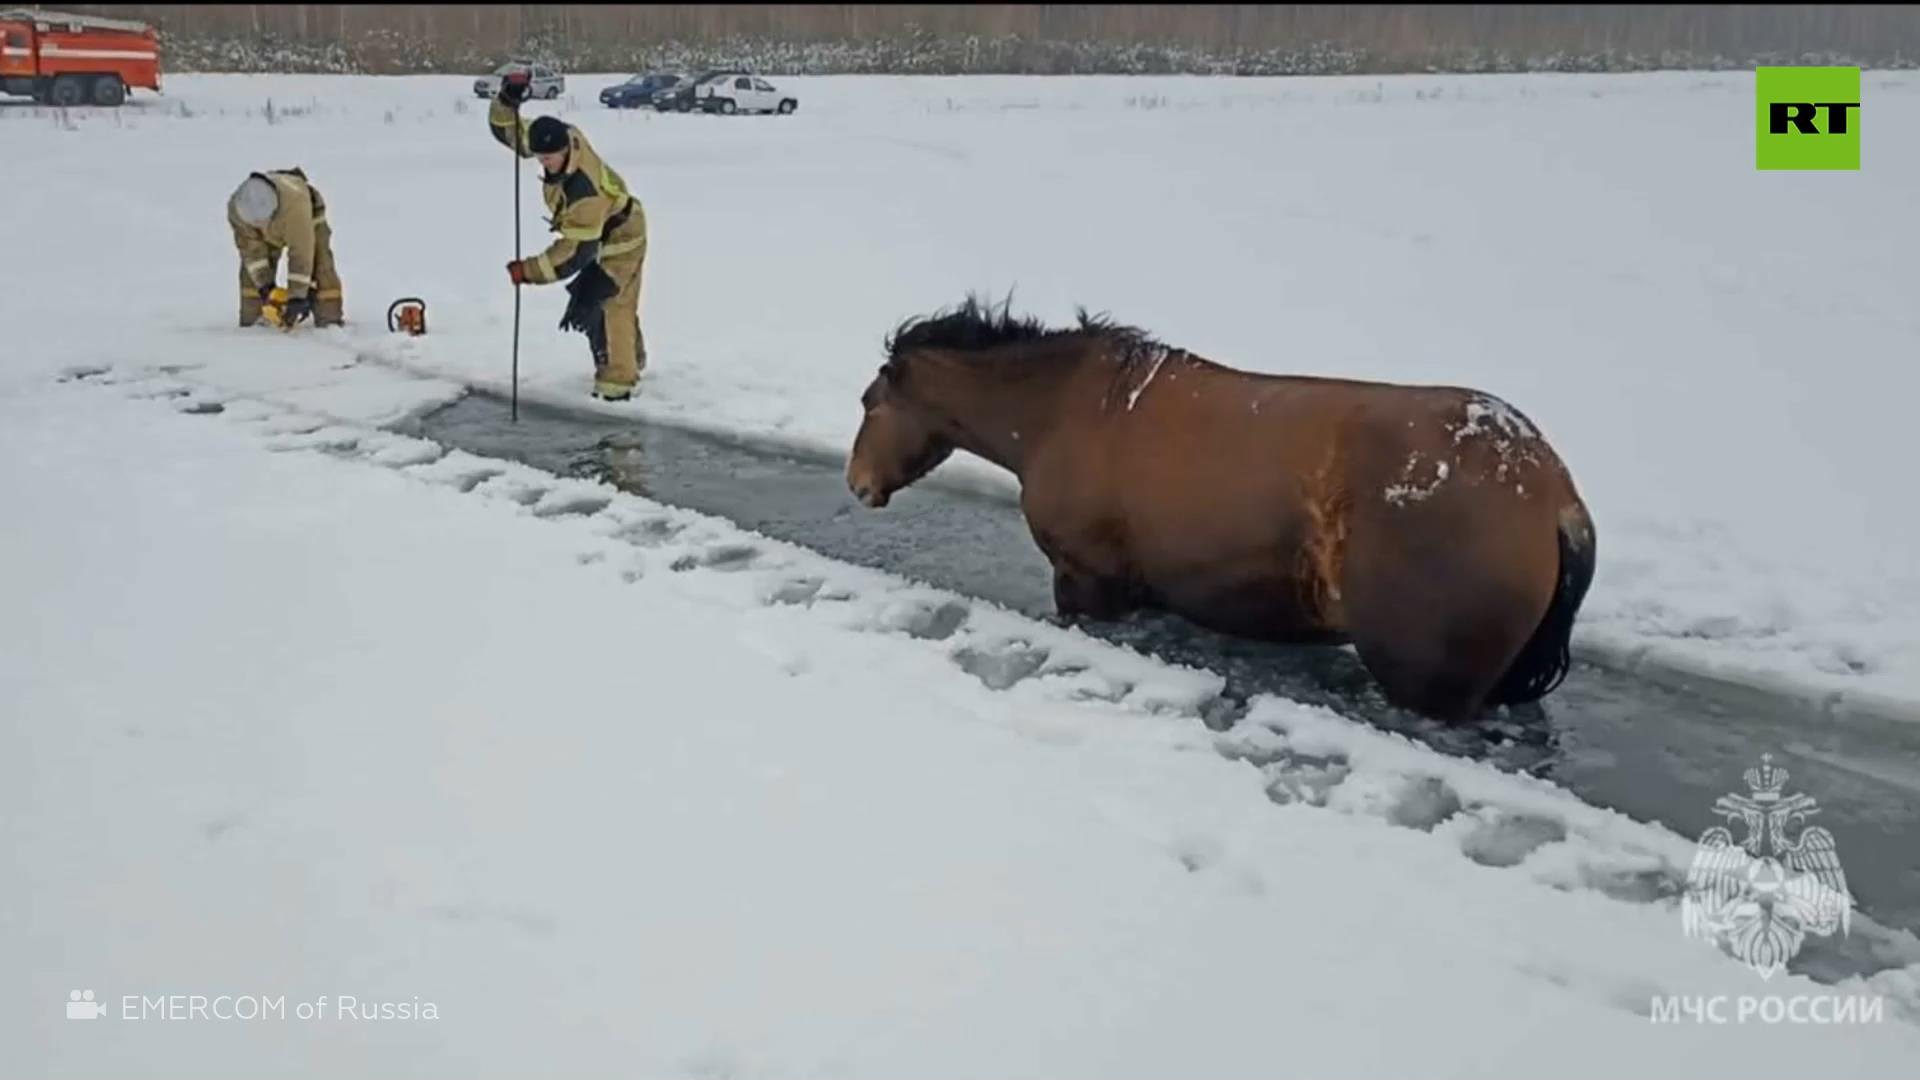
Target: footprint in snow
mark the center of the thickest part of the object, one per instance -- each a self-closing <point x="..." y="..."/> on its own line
<point x="1306" y="780"/>
<point x="801" y="591"/>
<point x="649" y="532"/>
<point x="466" y="482"/>
<point x="1001" y="666"/>
<point x="927" y="620"/>
<point x="1500" y="839"/>
<point x="580" y="504"/>
<point x="724" y="558"/>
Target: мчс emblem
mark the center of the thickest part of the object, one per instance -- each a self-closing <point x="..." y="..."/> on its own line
<point x="1759" y="898"/>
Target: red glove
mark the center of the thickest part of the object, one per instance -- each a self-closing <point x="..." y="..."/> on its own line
<point x="515" y="87"/>
<point x="517" y="270"/>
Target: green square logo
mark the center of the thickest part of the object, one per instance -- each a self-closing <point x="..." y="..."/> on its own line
<point x="1809" y="117"/>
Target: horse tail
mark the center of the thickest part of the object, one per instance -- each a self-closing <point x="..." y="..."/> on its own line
<point x="1545" y="659"/>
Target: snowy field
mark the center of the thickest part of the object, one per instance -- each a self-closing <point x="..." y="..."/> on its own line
<point x="293" y="707"/>
<point x="1724" y="356"/>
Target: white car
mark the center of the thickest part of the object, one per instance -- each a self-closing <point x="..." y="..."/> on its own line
<point x="547" y="83"/>
<point x="743" y="93"/>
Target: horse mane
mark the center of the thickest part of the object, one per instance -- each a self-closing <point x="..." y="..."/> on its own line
<point x="976" y="327"/>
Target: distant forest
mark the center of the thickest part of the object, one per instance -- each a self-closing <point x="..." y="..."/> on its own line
<point x="1246" y="39"/>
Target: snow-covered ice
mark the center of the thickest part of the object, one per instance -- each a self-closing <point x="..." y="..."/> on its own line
<point x="297" y="707"/>
<point x="302" y="708"/>
<point x="1719" y="353"/>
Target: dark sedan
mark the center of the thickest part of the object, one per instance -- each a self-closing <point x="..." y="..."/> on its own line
<point x="640" y="91"/>
<point x="681" y="98"/>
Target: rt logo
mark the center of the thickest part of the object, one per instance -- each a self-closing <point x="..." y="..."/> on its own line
<point x="1809" y="118"/>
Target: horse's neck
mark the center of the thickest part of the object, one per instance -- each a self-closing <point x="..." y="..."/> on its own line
<point x="998" y="408"/>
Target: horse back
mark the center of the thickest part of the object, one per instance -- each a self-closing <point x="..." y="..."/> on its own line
<point x="1219" y="482"/>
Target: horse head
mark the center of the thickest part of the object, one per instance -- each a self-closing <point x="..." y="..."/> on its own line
<point x="900" y="439"/>
<point x="969" y="378"/>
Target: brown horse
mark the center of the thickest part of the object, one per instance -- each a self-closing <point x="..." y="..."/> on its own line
<point x="1433" y="528"/>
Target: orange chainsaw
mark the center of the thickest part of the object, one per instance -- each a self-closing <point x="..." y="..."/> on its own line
<point x="407" y="315"/>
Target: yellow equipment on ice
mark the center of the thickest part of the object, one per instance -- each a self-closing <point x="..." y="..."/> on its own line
<point x="273" y="307"/>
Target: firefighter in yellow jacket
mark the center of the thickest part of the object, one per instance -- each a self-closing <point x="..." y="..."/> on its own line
<point x="602" y="244"/>
<point x="277" y="211"/>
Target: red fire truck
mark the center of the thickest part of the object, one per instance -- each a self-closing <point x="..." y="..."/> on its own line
<point x="65" y="59"/>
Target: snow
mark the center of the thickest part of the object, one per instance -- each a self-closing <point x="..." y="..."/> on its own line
<point x="1404" y="493"/>
<point x="302" y="708"/>
<point x="1511" y="427"/>
<point x="1159" y="355"/>
<point x="1595" y="250"/>
<point x="297" y="707"/>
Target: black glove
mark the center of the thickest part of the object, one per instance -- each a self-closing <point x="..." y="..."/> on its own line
<point x="297" y="311"/>
<point x="589" y="289"/>
<point x="265" y="291"/>
<point x="514" y="88"/>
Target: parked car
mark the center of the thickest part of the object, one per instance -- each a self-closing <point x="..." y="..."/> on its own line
<point x="682" y="98"/>
<point x="547" y="83"/>
<point x="640" y="90"/>
<point x="744" y="93"/>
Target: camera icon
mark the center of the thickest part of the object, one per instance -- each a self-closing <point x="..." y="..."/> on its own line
<point x="81" y="1006"/>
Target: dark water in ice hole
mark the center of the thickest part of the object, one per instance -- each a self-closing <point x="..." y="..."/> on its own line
<point x="1655" y="752"/>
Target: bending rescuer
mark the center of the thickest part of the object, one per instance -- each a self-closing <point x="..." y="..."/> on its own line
<point x="275" y="212"/>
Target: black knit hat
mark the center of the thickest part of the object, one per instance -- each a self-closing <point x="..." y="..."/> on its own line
<point x="547" y="135"/>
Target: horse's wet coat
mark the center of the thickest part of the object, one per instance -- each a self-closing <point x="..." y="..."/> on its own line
<point x="1431" y="526"/>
